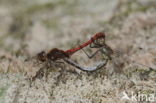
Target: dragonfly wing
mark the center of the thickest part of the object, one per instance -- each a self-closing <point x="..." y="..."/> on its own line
<point x="97" y="66"/>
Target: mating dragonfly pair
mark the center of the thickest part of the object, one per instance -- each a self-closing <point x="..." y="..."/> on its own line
<point x="97" y="41"/>
<point x="54" y="56"/>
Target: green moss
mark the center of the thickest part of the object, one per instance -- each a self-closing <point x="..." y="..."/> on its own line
<point x="62" y="2"/>
<point x="53" y="23"/>
<point x="44" y="6"/>
<point x="39" y="7"/>
<point x="2" y="91"/>
<point x="11" y="2"/>
<point x="137" y="9"/>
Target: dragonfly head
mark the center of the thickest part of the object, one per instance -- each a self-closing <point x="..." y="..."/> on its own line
<point x="42" y="56"/>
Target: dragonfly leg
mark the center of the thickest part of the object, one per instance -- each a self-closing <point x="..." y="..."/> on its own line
<point x="92" y="55"/>
<point x="93" y="45"/>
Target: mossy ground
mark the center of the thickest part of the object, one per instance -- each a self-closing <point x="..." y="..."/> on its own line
<point x="27" y="27"/>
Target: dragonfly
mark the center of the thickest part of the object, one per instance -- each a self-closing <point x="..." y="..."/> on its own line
<point x="54" y="56"/>
<point x="97" y="41"/>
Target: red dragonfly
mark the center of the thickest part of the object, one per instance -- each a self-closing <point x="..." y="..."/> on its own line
<point x="97" y="41"/>
<point x="54" y="55"/>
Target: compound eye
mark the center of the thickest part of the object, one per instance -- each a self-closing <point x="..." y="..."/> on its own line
<point x="42" y="56"/>
<point x="101" y="41"/>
